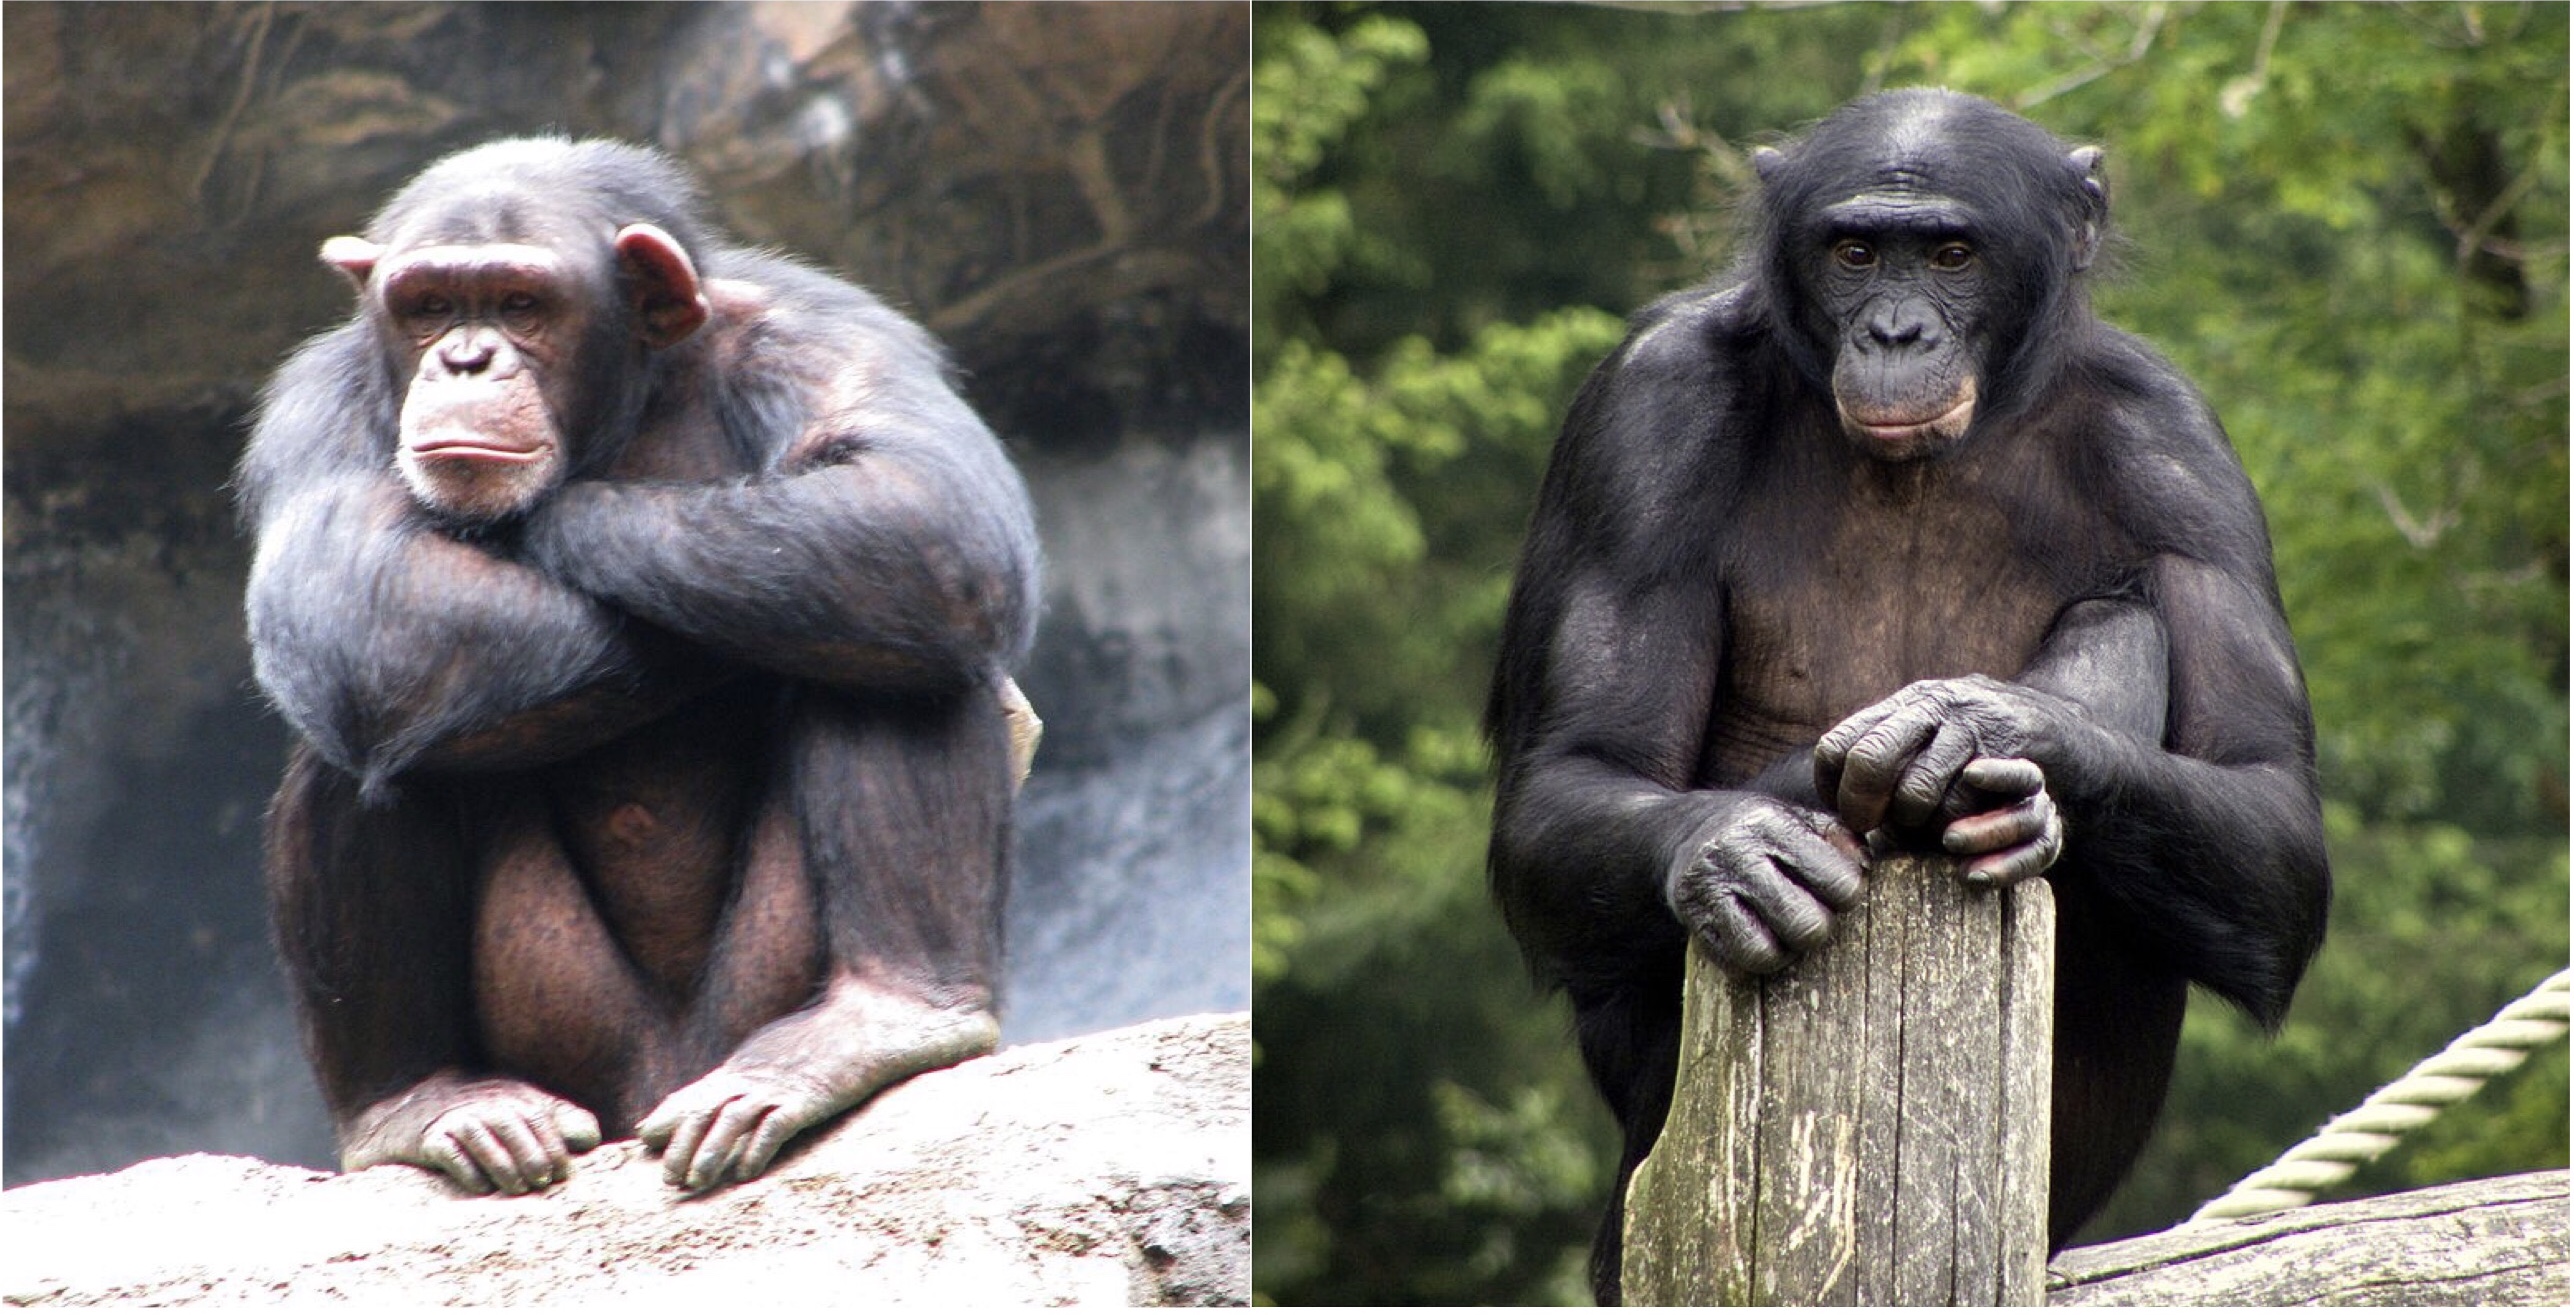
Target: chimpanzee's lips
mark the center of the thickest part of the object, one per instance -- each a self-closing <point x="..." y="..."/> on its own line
<point x="474" y="447"/>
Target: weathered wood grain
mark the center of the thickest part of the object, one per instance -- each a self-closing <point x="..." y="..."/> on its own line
<point x="2492" y="1242"/>
<point x="1870" y="1126"/>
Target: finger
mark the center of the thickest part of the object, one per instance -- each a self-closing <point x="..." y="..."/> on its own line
<point x="686" y="1135"/>
<point x="1875" y="765"/>
<point x="1926" y="781"/>
<point x="2019" y="863"/>
<point x="656" y="1129"/>
<point x="484" y="1147"/>
<point x="536" y="1142"/>
<point x="1832" y="752"/>
<point x="1796" y="920"/>
<point x="1740" y="940"/>
<point x="2009" y="777"/>
<point x="2000" y="828"/>
<point x="732" y="1127"/>
<point x="1825" y="859"/>
<point x="445" y="1154"/>
<point x="578" y="1128"/>
<point x="764" y="1145"/>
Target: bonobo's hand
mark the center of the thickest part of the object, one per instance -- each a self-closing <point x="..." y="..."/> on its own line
<point x="1960" y="758"/>
<point x="1761" y="886"/>
<point x="2000" y="812"/>
<point x="488" y="1134"/>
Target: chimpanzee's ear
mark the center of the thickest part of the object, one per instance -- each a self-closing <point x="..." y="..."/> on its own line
<point x="353" y="257"/>
<point x="669" y="302"/>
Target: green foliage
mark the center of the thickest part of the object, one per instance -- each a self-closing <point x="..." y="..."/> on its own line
<point x="2346" y="222"/>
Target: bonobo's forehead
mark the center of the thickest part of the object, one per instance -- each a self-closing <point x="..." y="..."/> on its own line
<point x="1898" y="209"/>
<point x="1904" y="149"/>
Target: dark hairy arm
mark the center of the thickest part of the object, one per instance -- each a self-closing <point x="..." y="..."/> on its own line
<point x="391" y="643"/>
<point x="1613" y="645"/>
<point x="884" y="542"/>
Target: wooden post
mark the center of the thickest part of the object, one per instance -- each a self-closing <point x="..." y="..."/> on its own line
<point x="1869" y="1127"/>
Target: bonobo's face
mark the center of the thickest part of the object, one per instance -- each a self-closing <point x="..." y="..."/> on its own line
<point x="514" y="353"/>
<point x="1902" y="285"/>
<point x="1919" y="242"/>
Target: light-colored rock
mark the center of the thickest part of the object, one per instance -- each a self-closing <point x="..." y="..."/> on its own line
<point x="1113" y="1168"/>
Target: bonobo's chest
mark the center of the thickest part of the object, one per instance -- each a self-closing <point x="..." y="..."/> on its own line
<point x="1834" y="603"/>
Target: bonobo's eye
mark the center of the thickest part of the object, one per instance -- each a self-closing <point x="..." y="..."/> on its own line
<point x="1952" y="257"/>
<point x="1854" y="254"/>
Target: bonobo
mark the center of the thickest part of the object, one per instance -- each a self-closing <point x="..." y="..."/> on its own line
<point x="1884" y="534"/>
<point x="644" y="609"/>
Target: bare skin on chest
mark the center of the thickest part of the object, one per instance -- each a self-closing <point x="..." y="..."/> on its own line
<point x="1914" y="577"/>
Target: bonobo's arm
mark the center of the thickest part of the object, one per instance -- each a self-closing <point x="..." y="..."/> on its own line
<point x="886" y="541"/>
<point x="388" y="643"/>
<point x="2206" y="836"/>
<point x="1611" y="653"/>
<point x="1916" y="764"/>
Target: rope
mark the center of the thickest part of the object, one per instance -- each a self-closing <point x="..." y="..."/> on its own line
<point x="2340" y="1147"/>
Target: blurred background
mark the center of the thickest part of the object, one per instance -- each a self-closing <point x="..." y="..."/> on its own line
<point x="2346" y="222"/>
<point x="1058" y="191"/>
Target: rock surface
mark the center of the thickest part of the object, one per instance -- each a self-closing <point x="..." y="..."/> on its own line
<point x="1111" y="1169"/>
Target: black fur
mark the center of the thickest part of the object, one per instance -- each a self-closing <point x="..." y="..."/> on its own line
<point x="1719" y="571"/>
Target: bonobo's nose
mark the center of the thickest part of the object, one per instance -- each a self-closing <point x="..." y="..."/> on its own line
<point x="1900" y="323"/>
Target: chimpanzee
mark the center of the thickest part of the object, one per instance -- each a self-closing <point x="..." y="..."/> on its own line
<point x="1883" y="539"/>
<point x="644" y="607"/>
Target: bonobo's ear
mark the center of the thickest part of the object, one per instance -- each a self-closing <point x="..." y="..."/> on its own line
<point x="669" y="304"/>
<point x="1767" y="160"/>
<point x="2086" y="162"/>
<point x="354" y="257"/>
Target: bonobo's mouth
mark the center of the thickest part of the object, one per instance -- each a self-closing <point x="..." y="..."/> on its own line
<point x="1902" y="437"/>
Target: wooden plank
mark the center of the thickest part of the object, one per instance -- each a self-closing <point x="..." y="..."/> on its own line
<point x="2493" y="1242"/>
<point x="1854" y="1130"/>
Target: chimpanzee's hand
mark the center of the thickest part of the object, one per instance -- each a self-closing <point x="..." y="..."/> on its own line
<point x="727" y="1126"/>
<point x="1761" y="886"/>
<point x="487" y="1134"/>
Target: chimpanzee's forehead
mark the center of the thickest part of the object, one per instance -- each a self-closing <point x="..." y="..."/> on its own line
<point x="494" y="212"/>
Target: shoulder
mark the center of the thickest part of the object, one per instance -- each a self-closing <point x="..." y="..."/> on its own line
<point x="783" y="294"/>
<point x="332" y="388"/>
<point x="1694" y="337"/>
<point x="1671" y="409"/>
<point x="2176" y="482"/>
